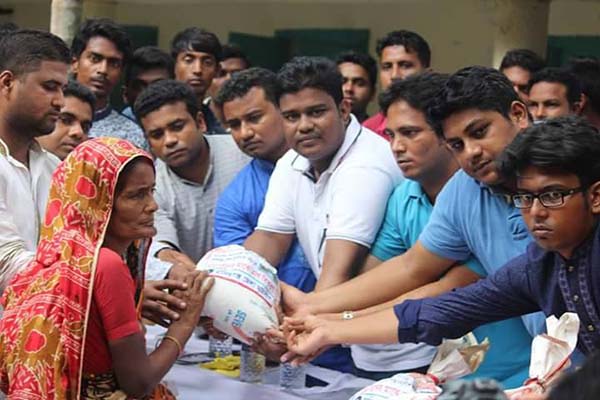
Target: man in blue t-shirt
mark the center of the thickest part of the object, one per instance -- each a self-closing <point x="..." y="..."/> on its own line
<point x="248" y="104"/>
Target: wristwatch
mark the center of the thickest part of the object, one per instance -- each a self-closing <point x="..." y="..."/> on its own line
<point x="347" y="315"/>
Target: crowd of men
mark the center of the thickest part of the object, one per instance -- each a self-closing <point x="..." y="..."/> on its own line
<point x="361" y="214"/>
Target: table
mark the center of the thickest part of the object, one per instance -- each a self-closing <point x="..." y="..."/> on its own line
<point x="191" y="382"/>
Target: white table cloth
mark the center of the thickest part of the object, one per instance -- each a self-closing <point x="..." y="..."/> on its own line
<point x="191" y="382"/>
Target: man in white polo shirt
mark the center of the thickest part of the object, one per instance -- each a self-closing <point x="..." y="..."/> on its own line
<point x="331" y="188"/>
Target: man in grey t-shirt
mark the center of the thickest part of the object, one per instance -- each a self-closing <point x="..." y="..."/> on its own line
<point x="191" y="171"/>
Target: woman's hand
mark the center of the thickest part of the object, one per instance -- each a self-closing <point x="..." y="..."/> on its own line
<point x="159" y="306"/>
<point x="199" y="284"/>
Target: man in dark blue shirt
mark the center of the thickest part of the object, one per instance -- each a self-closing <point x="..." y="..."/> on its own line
<point x="555" y="170"/>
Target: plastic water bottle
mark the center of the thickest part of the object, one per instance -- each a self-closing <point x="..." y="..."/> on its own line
<point x="220" y="348"/>
<point x="252" y="365"/>
<point x="291" y="377"/>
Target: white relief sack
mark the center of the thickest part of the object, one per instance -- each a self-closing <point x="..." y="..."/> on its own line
<point x="455" y="358"/>
<point x="550" y="354"/>
<point x="245" y="295"/>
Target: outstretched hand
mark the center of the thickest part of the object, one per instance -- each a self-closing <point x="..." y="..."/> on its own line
<point x="294" y="302"/>
<point x="306" y="338"/>
<point x="271" y="344"/>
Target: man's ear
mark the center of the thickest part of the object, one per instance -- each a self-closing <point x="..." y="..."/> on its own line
<point x="578" y="107"/>
<point x="200" y="123"/>
<point x="74" y="65"/>
<point x="7" y="80"/>
<point x="594" y="197"/>
<point x="345" y="109"/>
<point x="519" y="115"/>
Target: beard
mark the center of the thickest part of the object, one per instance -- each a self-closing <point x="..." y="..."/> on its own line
<point x="27" y="126"/>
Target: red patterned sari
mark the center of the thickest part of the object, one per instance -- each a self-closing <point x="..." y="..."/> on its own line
<point x="47" y="306"/>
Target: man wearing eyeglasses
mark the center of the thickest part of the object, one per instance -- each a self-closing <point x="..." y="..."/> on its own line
<point x="556" y="173"/>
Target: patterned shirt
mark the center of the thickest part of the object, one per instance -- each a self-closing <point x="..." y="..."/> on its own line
<point x="108" y="122"/>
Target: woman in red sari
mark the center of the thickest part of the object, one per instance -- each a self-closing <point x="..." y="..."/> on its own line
<point x="71" y="322"/>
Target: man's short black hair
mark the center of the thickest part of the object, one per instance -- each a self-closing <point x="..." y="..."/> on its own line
<point x="419" y="91"/>
<point x="163" y="92"/>
<point x="587" y="71"/>
<point x="524" y="58"/>
<point x="412" y="42"/>
<point x="367" y="62"/>
<point x="147" y="58"/>
<point x="196" y="39"/>
<point x="103" y="27"/>
<point x="558" y="75"/>
<point x="24" y="50"/>
<point x="7" y="28"/>
<point x="234" y="51"/>
<point x="475" y="87"/>
<point x="76" y="89"/>
<point x="565" y="144"/>
<point x="310" y="72"/>
<point x="240" y="84"/>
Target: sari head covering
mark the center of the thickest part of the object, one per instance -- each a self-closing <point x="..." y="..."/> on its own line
<point x="47" y="305"/>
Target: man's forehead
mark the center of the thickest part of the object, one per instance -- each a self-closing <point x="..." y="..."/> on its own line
<point x="103" y="46"/>
<point x="544" y="177"/>
<point x="305" y="98"/>
<point x="167" y="113"/>
<point x="460" y="121"/>
<point x="397" y="51"/>
<point x="255" y="97"/>
<point x="196" y="53"/>
<point x="75" y="105"/>
<point x="549" y="86"/>
<point x="350" y="68"/>
<point x="48" y="70"/>
<point x="151" y="75"/>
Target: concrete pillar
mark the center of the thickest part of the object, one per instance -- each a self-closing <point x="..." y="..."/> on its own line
<point x="65" y="18"/>
<point x="519" y="24"/>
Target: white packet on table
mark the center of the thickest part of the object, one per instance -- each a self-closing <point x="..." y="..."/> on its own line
<point x="455" y="358"/>
<point x="550" y="354"/>
<point x="245" y="295"/>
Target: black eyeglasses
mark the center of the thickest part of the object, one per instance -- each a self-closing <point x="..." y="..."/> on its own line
<point x="550" y="199"/>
